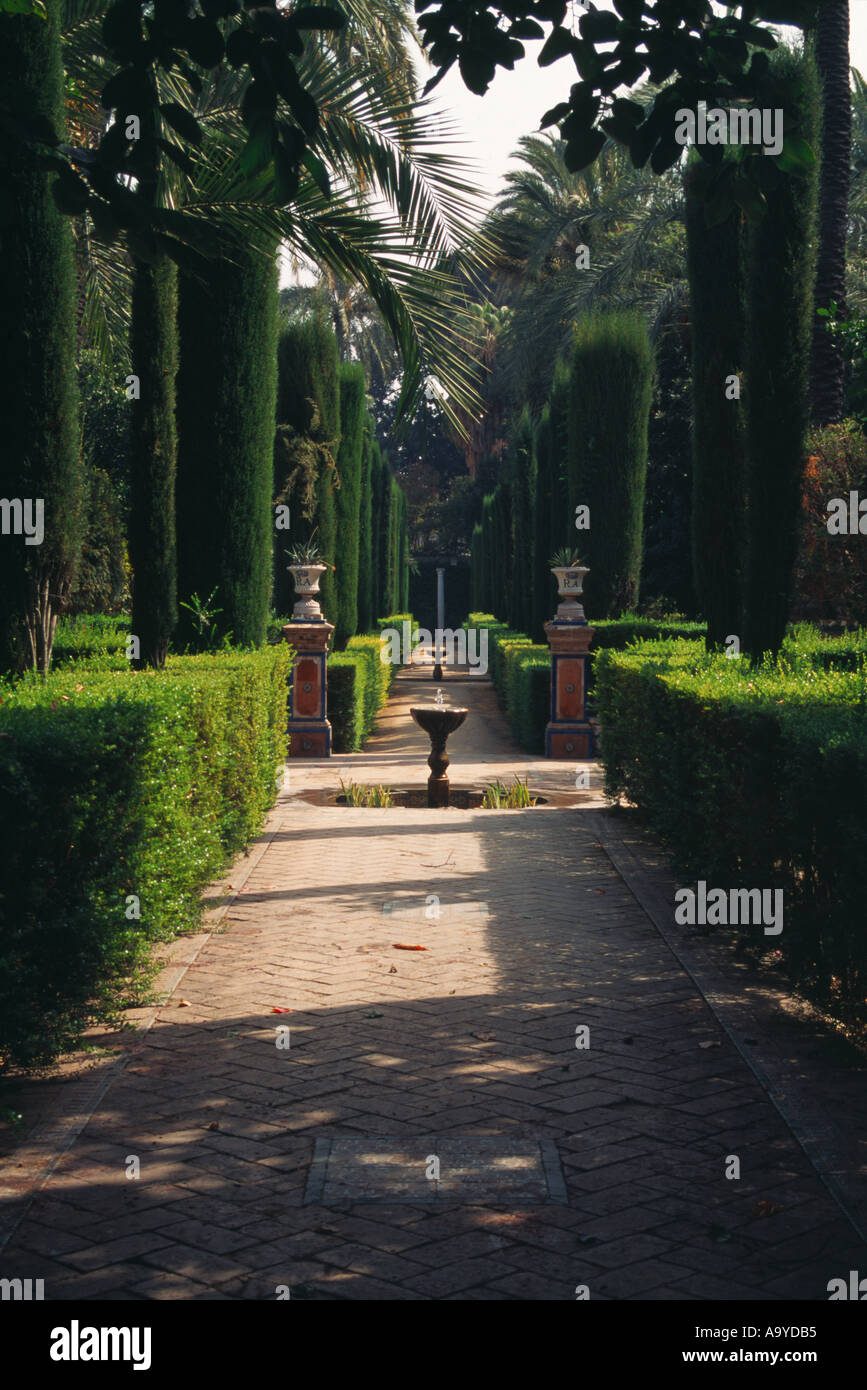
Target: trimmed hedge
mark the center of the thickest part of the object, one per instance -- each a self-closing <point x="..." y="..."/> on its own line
<point x="358" y="685"/>
<point x="116" y="783"/>
<point x="520" y="673"/>
<point x="754" y="778"/>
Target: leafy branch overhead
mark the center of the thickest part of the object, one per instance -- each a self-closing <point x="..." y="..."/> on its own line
<point x="693" y="53"/>
<point x="112" y="180"/>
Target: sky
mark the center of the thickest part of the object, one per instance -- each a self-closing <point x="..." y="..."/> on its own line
<point x="515" y="102"/>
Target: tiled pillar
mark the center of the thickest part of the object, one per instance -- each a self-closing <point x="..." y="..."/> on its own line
<point x="569" y="734"/>
<point x="309" y="729"/>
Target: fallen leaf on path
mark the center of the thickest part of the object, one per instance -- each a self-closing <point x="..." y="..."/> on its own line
<point x="599" y="890"/>
<point x="706" y="1045"/>
<point x="183" y="1004"/>
<point x="281" y="1011"/>
<point x="399" y="946"/>
<point x="766" y="1209"/>
<point x="213" y="1125"/>
<point x="484" y="1037"/>
<point x="392" y="970"/>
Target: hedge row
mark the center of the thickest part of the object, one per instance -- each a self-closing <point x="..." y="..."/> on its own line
<point x="520" y="673"/>
<point x="754" y="778"/>
<point x="358" y="685"/>
<point x="115" y="785"/>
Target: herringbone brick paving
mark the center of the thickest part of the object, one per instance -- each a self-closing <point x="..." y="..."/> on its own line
<point x="475" y="1035"/>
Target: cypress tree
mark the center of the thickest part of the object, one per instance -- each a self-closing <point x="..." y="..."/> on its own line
<point x="153" y="457"/>
<point x="503" y="566"/>
<point x="308" y="425"/>
<point x="780" y="277"/>
<point x="38" y="392"/>
<point x="227" y="387"/>
<point x="611" y="390"/>
<point x="477" y="565"/>
<point x="349" y="465"/>
<point x="365" y="531"/>
<point x="403" y="556"/>
<point x="562" y="516"/>
<point x="715" y="268"/>
<point x="392" y="580"/>
<point x="543" y="586"/>
<point x="488" y="573"/>
<point x="522" y="486"/>
<point x="378" y="520"/>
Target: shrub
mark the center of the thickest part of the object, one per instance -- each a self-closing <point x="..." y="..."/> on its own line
<point x="358" y="685"/>
<point x="753" y="778"/>
<point x="116" y="783"/>
<point x="831" y="570"/>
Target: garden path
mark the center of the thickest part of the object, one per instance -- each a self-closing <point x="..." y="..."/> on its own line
<point x="310" y="1166"/>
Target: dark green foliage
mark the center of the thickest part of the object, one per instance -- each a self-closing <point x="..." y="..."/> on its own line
<point x="611" y="388"/>
<point x="227" y="384"/>
<point x="667" y="571"/>
<point x="563" y="531"/>
<point x="307" y="438"/>
<point x="402" y="595"/>
<point x="715" y="264"/>
<point x="380" y="495"/>
<point x="349" y="466"/>
<point x="522" y="489"/>
<point x="358" y="685"/>
<point x="115" y="783"/>
<point x="101" y="582"/>
<point x="40" y="457"/>
<point x="153" y="458"/>
<point x="781" y="267"/>
<point x="487" y="601"/>
<point x="478" y="596"/>
<point x="366" y="614"/>
<point x="754" y="777"/>
<point x="543" y="586"/>
<point x="502" y="555"/>
<point x="520" y="672"/>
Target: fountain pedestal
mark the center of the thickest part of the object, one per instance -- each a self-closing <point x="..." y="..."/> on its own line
<point x="309" y="728"/>
<point x="438" y="721"/>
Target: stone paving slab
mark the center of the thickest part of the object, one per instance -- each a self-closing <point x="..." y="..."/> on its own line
<point x="474" y="1038"/>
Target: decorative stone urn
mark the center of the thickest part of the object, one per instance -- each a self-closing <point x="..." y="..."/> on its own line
<point x="570" y="581"/>
<point x="306" y="579"/>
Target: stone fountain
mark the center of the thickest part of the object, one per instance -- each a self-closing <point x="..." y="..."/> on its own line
<point x="438" y="721"/>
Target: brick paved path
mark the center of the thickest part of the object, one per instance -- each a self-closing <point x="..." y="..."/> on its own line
<point x="475" y="1036"/>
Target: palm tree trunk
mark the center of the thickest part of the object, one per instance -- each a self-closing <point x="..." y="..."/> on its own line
<point x="831" y="40"/>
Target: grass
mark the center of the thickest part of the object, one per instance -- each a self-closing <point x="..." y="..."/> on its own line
<point x="356" y="794"/>
<point x="500" y="797"/>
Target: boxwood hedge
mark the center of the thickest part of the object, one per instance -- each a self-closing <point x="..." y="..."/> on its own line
<point x="119" y="790"/>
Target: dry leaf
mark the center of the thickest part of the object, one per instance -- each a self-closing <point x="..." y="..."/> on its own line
<point x="766" y="1209"/>
<point x="399" y="946"/>
<point x="213" y="1125"/>
<point x="184" y="1004"/>
<point x="709" y="1044"/>
<point x="484" y="1037"/>
<point x="392" y="970"/>
<point x="281" y="1011"/>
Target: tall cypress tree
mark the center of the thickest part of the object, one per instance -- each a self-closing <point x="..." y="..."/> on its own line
<point x="543" y="586"/>
<point x="522" y="486"/>
<point x="562" y="517"/>
<point x="308" y="433"/>
<point x="39" y="459"/>
<point x="611" y="391"/>
<point x="365" y="531"/>
<point x="153" y="457"/>
<point x="403" y="556"/>
<point x="227" y="386"/>
<point x="781" y="258"/>
<point x="349" y="465"/>
<point x="488" y="573"/>
<point x="715" y="267"/>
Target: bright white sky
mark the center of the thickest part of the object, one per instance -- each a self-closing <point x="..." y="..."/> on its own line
<point x="516" y="101"/>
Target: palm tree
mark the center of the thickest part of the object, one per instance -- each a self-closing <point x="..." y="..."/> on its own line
<point x="376" y="200"/>
<point x="831" y="39"/>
